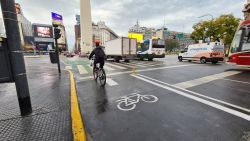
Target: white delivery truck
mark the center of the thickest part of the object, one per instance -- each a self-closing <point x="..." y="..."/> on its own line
<point x="203" y="52"/>
<point x="121" y="48"/>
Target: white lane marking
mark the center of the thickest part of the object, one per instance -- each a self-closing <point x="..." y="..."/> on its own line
<point x="82" y="70"/>
<point x="206" y="102"/>
<point x="111" y="82"/>
<point x="68" y="67"/>
<point x="203" y="80"/>
<point x="243" y="82"/>
<point x="108" y="68"/>
<point x="116" y="66"/>
<point x="195" y="93"/>
<point x="142" y="70"/>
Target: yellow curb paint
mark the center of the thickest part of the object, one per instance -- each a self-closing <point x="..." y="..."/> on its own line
<point x="78" y="130"/>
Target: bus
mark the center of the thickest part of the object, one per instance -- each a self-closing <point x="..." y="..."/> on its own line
<point x="239" y="51"/>
<point x="150" y="49"/>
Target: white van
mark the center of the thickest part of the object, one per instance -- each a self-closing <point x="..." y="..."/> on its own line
<point x="203" y="52"/>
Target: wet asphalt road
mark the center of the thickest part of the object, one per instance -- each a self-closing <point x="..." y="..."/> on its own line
<point x="170" y="101"/>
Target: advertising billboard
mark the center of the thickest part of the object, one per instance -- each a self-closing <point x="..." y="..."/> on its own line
<point x="137" y="36"/>
<point x="43" y="31"/>
<point x="62" y="39"/>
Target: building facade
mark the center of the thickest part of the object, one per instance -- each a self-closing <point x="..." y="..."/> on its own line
<point x="246" y="10"/>
<point x="183" y="39"/>
<point x="101" y="33"/>
<point x="147" y="33"/>
<point x="25" y="28"/>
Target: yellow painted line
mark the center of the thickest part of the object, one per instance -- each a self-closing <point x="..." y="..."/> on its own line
<point x="78" y="130"/>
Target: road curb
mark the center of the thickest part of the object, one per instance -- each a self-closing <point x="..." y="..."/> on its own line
<point x="78" y="129"/>
<point x="32" y="56"/>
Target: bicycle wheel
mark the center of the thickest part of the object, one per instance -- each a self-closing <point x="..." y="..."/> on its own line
<point x="149" y="98"/>
<point x="122" y="106"/>
<point x="102" y="77"/>
<point x="95" y="74"/>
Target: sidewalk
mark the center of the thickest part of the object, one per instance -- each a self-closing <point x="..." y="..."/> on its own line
<point x="50" y="98"/>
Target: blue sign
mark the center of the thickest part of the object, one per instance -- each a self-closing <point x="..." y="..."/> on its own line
<point x="56" y="16"/>
<point x="78" y="20"/>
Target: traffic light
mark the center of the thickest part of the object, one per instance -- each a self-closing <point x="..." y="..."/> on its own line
<point x="57" y="33"/>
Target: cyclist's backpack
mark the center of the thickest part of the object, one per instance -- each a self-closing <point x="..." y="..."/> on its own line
<point x="99" y="53"/>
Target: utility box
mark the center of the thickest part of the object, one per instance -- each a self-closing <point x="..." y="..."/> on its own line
<point x="53" y="57"/>
<point x="5" y="68"/>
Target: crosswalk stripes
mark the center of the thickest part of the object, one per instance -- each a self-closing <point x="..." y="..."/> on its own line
<point x="113" y="66"/>
<point x="145" y="64"/>
<point x="125" y="65"/>
<point x="139" y="64"/>
<point x="68" y="67"/>
<point x="82" y="70"/>
<point x="116" y="66"/>
<point x="108" y="68"/>
<point x="111" y="82"/>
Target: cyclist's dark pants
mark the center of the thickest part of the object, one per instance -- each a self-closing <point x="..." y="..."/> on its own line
<point x="99" y="60"/>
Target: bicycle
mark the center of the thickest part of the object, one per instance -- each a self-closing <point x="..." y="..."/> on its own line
<point x="127" y="103"/>
<point x="99" y="74"/>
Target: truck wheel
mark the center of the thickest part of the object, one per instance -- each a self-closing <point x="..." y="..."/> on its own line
<point x="189" y="60"/>
<point x="214" y="62"/>
<point x="141" y="58"/>
<point x="117" y="59"/>
<point x="180" y="58"/>
<point x="203" y="60"/>
<point x="150" y="59"/>
<point x="126" y="60"/>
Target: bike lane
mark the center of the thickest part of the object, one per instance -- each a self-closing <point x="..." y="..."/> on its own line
<point x="170" y="117"/>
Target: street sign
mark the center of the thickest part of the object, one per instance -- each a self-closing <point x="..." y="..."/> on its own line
<point x="5" y="71"/>
<point x="180" y="36"/>
<point x="56" y="19"/>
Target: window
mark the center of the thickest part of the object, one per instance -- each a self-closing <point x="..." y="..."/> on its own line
<point x="236" y="41"/>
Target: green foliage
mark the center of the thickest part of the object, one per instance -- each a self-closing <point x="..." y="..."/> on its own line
<point x="223" y="27"/>
<point x="171" y="44"/>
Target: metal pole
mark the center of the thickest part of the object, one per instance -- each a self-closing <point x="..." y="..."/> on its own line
<point x="58" y="58"/>
<point x="16" y="56"/>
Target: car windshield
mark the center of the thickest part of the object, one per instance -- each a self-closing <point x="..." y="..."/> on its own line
<point x="236" y="41"/>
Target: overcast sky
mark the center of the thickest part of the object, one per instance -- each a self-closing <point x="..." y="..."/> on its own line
<point x="119" y="15"/>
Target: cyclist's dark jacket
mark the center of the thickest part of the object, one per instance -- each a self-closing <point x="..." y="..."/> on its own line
<point x="98" y="52"/>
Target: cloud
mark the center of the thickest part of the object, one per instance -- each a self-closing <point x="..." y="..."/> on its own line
<point x="119" y="15"/>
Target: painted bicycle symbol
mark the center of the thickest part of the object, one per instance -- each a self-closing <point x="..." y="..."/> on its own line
<point x="127" y="103"/>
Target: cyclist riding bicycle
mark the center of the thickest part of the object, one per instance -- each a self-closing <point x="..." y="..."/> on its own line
<point x="99" y="55"/>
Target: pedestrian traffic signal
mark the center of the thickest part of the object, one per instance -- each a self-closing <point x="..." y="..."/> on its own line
<point x="57" y="33"/>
